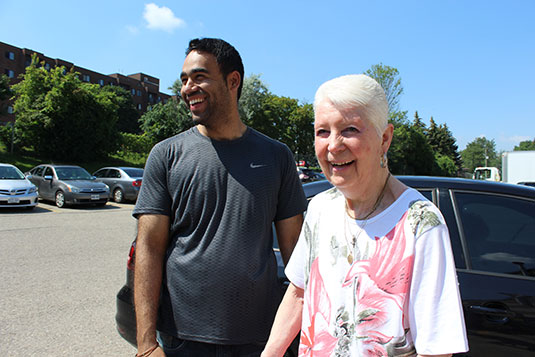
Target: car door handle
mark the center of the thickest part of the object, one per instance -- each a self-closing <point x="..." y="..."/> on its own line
<point x="495" y="314"/>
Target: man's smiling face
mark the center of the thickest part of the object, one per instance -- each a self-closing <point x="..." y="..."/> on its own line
<point x="204" y="89"/>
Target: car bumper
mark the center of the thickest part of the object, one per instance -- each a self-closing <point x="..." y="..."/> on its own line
<point x="125" y="317"/>
<point x="29" y="200"/>
<point x="86" y="198"/>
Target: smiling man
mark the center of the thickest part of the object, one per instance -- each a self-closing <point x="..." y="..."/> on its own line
<point x="206" y="275"/>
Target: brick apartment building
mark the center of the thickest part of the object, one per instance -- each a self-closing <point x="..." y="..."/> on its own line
<point x="145" y="89"/>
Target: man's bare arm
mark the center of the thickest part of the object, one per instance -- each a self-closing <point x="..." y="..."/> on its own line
<point x="151" y="245"/>
<point x="287" y="234"/>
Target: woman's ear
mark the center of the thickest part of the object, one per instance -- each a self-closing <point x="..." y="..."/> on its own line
<point x="388" y="133"/>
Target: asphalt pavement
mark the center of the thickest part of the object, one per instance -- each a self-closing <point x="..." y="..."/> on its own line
<point x="60" y="270"/>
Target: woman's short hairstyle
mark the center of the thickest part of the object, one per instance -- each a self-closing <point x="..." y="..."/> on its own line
<point x="357" y="91"/>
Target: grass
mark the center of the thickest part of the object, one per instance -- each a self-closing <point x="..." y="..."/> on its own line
<point x="26" y="160"/>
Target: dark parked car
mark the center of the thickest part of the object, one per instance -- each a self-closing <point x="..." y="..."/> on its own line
<point x="492" y="231"/>
<point x="68" y="184"/>
<point x="124" y="182"/>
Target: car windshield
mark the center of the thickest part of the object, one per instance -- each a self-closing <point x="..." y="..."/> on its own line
<point x="134" y="172"/>
<point x="10" y="173"/>
<point x="72" y="173"/>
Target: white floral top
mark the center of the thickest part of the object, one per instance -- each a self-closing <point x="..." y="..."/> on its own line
<point x="382" y="287"/>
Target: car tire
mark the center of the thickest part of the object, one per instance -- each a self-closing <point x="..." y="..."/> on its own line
<point x="60" y="199"/>
<point x="118" y="195"/>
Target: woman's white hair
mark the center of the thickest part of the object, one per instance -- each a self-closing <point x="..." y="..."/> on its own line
<point x="357" y="91"/>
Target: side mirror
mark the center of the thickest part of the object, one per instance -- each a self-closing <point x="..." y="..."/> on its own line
<point x="48" y="178"/>
<point x="93" y="177"/>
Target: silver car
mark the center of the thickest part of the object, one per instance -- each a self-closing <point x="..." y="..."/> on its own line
<point x="68" y="184"/>
<point x="15" y="189"/>
<point x="124" y="182"/>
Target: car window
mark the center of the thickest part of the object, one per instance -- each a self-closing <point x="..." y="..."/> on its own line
<point x="101" y="173"/>
<point x="134" y="172"/>
<point x="427" y="193"/>
<point x="499" y="232"/>
<point x="48" y="172"/>
<point x="72" y="173"/>
<point x="10" y="173"/>
<point x="114" y="174"/>
<point x="37" y="171"/>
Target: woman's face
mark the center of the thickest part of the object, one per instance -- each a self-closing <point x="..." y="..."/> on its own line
<point x="347" y="147"/>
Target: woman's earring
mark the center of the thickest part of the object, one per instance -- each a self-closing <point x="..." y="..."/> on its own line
<point x="384" y="160"/>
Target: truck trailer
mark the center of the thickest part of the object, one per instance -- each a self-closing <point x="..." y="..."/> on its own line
<point x="518" y="167"/>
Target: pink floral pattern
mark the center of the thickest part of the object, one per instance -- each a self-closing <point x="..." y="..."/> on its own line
<point x="380" y="283"/>
<point x="316" y="339"/>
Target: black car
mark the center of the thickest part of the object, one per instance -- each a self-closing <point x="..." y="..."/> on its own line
<point x="492" y="231"/>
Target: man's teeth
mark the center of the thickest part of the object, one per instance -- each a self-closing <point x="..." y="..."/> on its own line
<point x="195" y="101"/>
<point x="341" y="163"/>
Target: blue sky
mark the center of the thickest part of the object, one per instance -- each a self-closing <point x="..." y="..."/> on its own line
<point x="467" y="63"/>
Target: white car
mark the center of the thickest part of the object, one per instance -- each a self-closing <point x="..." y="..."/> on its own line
<point x="15" y="189"/>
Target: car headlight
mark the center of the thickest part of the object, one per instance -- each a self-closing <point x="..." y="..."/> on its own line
<point x="73" y="189"/>
<point x="32" y="190"/>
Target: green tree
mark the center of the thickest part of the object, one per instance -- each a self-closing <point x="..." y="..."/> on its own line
<point x="389" y="78"/>
<point x="480" y="152"/>
<point x="127" y="114"/>
<point x="418" y="124"/>
<point x="165" y="120"/>
<point x="254" y="94"/>
<point x="410" y="153"/>
<point x="525" y="145"/>
<point x="63" y="118"/>
<point x="443" y="143"/>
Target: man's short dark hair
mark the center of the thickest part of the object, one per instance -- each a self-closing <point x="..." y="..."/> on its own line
<point x="227" y="57"/>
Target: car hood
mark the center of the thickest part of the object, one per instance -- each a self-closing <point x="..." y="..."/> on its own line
<point x="85" y="184"/>
<point x="15" y="184"/>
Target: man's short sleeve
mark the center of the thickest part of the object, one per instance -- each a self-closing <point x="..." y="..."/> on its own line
<point x="154" y="197"/>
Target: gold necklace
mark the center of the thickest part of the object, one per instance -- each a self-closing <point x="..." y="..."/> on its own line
<point x="352" y="245"/>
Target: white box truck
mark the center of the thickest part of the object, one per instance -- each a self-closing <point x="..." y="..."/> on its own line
<point x="518" y="166"/>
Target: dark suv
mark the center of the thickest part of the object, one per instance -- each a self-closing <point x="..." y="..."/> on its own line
<point x="492" y="231"/>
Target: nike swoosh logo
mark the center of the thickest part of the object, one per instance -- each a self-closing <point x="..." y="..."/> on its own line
<point x="253" y="166"/>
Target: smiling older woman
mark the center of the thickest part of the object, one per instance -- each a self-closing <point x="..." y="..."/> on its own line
<point x="373" y="272"/>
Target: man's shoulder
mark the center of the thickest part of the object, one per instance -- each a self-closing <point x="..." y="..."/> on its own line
<point x="258" y="136"/>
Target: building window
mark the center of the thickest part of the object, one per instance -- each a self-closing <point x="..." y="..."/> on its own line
<point x="138" y="93"/>
<point x="139" y="107"/>
<point x="9" y="73"/>
<point x="133" y="91"/>
<point x="101" y="82"/>
<point x="9" y="109"/>
<point x="159" y="99"/>
<point x="47" y="66"/>
<point x="86" y="77"/>
<point x="10" y="55"/>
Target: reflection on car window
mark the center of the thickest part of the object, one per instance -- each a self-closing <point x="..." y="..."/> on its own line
<point x="72" y="173"/>
<point x="500" y="232"/>
<point x="134" y="172"/>
<point x="10" y="173"/>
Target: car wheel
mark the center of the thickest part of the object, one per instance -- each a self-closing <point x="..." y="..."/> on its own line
<point x="60" y="199"/>
<point x="118" y="195"/>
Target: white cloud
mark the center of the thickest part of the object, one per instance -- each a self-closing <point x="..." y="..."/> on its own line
<point x="161" y="18"/>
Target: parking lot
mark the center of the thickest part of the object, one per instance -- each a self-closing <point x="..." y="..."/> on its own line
<point x="61" y="269"/>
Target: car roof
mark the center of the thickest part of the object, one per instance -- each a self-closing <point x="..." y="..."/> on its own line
<point x="7" y="165"/>
<point x="313" y="188"/>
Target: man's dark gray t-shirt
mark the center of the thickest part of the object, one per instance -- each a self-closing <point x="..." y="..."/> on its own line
<point x="220" y="282"/>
